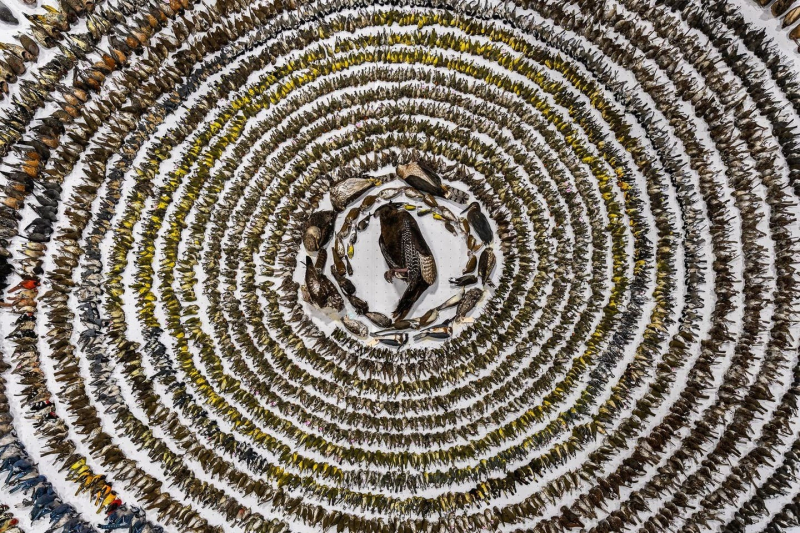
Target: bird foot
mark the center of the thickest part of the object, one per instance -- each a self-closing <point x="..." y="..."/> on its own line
<point x="392" y="273"/>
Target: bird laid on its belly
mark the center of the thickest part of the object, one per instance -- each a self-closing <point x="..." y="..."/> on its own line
<point x="407" y="254"/>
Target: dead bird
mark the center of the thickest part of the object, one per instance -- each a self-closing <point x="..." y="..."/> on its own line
<point x="322" y="259"/>
<point x="396" y="341"/>
<point x="344" y="282"/>
<point x="452" y="301"/>
<point x="479" y="222"/>
<point x="472" y="262"/>
<point x="435" y="333"/>
<point x="361" y="307"/>
<point x="355" y="327"/>
<point x="468" y="303"/>
<point x="346" y="191"/>
<point x="318" y="229"/>
<point x="379" y="319"/>
<point x="428" y="318"/>
<point x="425" y="179"/>
<point x="399" y="325"/>
<point x="407" y="254"/>
<point x="486" y="264"/>
<point x="463" y="281"/>
<point x="7" y="16"/>
<point x="319" y="290"/>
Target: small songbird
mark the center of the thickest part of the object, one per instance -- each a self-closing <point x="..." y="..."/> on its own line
<point x="486" y="264"/>
<point x="479" y="222"/>
<point x="318" y="229"/>
<point x="435" y="333"/>
<point x="425" y="179"/>
<point x="407" y="254"/>
<point x="319" y="290"/>
<point x="467" y="304"/>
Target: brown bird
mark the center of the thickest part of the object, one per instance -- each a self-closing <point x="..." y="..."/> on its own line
<point x="407" y="254"/>
<point x="318" y="229"/>
<point x="346" y="191"/>
<point x="319" y="290"/>
<point x="425" y="179"/>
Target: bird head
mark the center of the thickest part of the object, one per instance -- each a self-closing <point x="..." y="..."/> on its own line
<point x="385" y="210"/>
<point x="311" y="238"/>
<point x="471" y="206"/>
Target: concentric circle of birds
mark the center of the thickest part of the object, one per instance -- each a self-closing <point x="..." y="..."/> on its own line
<point x="399" y="267"/>
<point x="399" y="202"/>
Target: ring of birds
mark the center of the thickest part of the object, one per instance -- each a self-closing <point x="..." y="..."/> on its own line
<point x="355" y="197"/>
<point x="634" y="367"/>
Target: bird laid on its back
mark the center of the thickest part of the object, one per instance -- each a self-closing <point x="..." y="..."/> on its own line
<point x="424" y="178"/>
<point x="407" y="254"/>
<point x="479" y="222"/>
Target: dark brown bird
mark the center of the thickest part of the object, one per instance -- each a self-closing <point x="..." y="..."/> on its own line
<point x="318" y="230"/>
<point x="479" y="222"/>
<point x="486" y="264"/>
<point x="407" y="254"/>
<point x="425" y="179"/>
<point x="319" y="290"/>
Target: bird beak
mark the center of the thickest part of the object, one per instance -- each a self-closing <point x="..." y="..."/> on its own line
<point x="464" y="211"/>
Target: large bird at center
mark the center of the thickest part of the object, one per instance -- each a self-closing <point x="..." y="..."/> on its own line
<point x="407" y="254"/>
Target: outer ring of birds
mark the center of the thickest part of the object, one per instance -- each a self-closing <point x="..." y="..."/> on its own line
<point x="633" y="366"/>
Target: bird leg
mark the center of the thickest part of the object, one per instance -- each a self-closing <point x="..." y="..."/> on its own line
<point x="400" y="273"/>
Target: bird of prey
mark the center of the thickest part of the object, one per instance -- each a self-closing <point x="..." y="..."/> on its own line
<point x="407" y="254"/>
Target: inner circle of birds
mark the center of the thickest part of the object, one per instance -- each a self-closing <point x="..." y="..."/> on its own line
<point x="396" y="201"/>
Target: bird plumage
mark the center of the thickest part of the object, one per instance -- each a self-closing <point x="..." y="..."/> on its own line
<point x="479" y="222"/>
<point x="346" y="191"/>
<point x="320" y="290"/>
<point x="407" y="254"/>
<point x="318" y="229"/>
<point x="424" y="178"/>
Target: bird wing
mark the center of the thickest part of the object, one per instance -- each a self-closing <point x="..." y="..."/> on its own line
<point x="312" y="280"/>
<point x="421" y="184"/>
<point x="434" y="176"/>
<point x="419" y="259"/>
<point x="388" y="254"/>
<point x="428" y="268"/>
